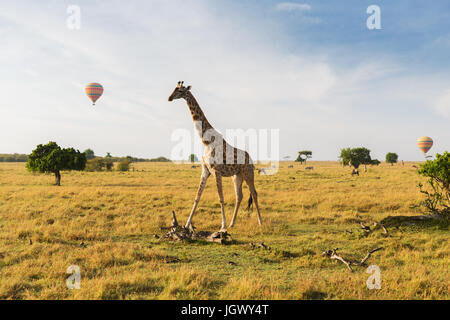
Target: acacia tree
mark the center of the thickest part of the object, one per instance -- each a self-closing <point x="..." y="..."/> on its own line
<point x="391" y="158"/>
<point x="355" y="156"/>
<point x="303" y="156"/>
<point x="51" y="158"/>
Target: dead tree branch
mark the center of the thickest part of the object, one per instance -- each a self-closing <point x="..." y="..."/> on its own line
<point x="332" y="254"/>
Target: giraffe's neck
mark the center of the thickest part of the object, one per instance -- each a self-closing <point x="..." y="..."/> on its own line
<point x="201" y="124"/>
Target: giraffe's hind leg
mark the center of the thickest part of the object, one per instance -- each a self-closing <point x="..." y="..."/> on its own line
<point x="222" y="204"/>
<point x="250" y="180"/>
<point x="237" y="179"/>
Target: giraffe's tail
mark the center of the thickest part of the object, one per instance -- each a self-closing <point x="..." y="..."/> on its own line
<point x="250" y="202"/>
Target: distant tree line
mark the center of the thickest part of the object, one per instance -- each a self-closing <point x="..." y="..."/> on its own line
<point x="51" y="158"/>
<point x="106" y="163"/>
<point x="355" y="157"/>
<point x="159" y="159"/>
<point x="15" y="157"/>
<point x="91" y="155"/>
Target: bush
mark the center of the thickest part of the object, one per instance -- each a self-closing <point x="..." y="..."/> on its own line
<point x="109" y="164"/>
<point x="13" y="157"/>
<point x="96" y="164"/>
<point x="438" y="194"/>
<point x="124" y="165"/>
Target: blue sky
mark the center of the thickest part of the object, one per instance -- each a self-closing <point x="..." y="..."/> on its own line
<point x="311" y="69"/>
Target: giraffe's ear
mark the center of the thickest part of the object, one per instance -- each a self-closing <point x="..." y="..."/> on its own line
<point x="188" y="88"/>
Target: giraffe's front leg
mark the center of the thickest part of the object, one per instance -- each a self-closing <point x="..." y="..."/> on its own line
<point x="222" y="204"/>
<point x="201" y="187"/>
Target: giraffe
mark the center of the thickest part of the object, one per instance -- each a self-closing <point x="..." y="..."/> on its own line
<point x="219" y="159"/>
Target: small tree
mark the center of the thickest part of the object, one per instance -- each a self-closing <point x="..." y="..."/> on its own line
<point x="355" y="156"/>
<point x="89" y="154"/>
<point x="375" y="162"/>
<point x="193" y="158"/>
<point x="345" y="156"/>
<point x="303" y="156"/>
<point x="438" y="173"/>
<point x="50" y="158"/>
<point x="391" y="158"/>
<point x="109" y="163"/>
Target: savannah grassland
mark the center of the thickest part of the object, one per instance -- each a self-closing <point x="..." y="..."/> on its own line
<point x="105" y="223"/>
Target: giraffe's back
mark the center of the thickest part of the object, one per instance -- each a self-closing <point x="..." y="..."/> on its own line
<point x="230" y="162"/>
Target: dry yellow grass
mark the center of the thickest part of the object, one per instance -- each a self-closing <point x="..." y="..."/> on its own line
<point x="115" y="216"/>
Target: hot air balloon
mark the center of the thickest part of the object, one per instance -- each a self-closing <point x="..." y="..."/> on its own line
<point x="94" y="91"/>
<point x="424" y="143"/>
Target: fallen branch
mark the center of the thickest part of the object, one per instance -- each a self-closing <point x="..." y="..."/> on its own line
<point x="363" y="261"/>
<point x="384" y="229"/>
<point x="332" y="254"/>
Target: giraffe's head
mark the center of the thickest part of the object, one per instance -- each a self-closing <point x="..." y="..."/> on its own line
<point x="180" y="91"/>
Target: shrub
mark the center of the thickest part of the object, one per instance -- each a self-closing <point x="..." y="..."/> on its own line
<point x="438" y="194"/>
<point x="109" y="164"/>
<point x="124" y="165"/>
<point x="96" y="164"/>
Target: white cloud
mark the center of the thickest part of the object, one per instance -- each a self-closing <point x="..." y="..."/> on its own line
<point x="293" y="6"/>
<point x="442" y="104"/>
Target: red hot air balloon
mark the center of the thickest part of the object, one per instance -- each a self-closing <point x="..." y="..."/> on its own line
<point x="94" y="91"/>
<point x="424" y="144"/>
